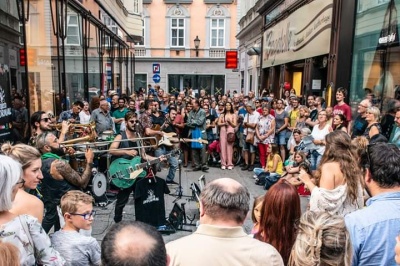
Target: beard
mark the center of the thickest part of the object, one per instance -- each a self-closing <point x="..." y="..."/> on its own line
<point x="58" y="151"/>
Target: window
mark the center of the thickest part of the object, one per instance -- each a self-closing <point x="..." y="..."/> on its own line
<point x="73" y="36"/>
<point x="135" y="6"/>
<point x="27" y="33"/>
<point x="217" y="32"/>
<point x="177" y="32"/>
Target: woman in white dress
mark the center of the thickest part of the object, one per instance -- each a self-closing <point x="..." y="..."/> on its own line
<point x="338" y="189"/>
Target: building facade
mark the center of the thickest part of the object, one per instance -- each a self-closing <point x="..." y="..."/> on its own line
<point x="77" y="49"/>
<point x="376" y="52"/>
<point x="169" y="56"/>
<point x="306" y="46"/>
<point x="250" y="38"/>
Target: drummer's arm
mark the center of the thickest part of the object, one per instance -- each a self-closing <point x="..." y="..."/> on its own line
<point x="118" y="152"/>
<point x="61" y="170"/>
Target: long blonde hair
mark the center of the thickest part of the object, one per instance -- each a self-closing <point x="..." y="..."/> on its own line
<point x="322" y="239"/>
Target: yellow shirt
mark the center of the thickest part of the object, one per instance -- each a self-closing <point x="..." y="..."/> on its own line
<point x="270" y="165"/>
<point x="293" y="115"/>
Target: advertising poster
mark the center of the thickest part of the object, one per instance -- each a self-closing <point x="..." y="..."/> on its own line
<point x="5" y="104"/>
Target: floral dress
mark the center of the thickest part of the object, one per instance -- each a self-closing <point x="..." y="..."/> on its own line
<point x="13" y="232"/>
<point x="264" y="125"/>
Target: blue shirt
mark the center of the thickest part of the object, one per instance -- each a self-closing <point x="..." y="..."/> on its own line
<point x="242" y="113"/>
<point x="373" y="230"/>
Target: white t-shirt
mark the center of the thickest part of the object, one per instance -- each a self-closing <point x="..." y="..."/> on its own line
<point x="251" y="119"/>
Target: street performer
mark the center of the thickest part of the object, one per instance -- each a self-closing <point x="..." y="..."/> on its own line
<point x="118" y="150"/>
<point x="58" y="177"/>
<point x="166" y="126"/>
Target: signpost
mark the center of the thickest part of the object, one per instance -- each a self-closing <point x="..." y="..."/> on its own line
<point x="156" y="78"/>
<point x="156" y="68"/>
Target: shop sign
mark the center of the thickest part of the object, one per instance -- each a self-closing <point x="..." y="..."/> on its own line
<point x="299" y="36"/>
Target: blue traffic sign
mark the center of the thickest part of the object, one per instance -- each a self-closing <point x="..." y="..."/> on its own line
<point x="156" y="78"/>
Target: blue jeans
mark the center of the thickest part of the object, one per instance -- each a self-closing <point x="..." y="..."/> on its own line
<point x="173" y="162"/>
<point x="315" y="159"/>
<point x="270" y="178"/>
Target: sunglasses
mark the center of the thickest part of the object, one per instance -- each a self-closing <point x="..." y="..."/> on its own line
<point x="45" y="119"/>
<point x="132" y="121"/>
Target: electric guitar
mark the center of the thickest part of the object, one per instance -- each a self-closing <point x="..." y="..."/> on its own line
<point x="163" y="139"/>
<point x="123" y="172"/>
<point x="174" y="139"/>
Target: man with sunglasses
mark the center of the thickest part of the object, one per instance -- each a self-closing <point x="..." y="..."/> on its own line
<point x="120" y="149"/>
<point x="373" y="230"/>
<point x="40" y="123"/>
<point x="58" y="177"/>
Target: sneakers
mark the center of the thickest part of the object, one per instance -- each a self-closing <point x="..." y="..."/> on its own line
<point x="197" y="169"/>
<point x="230" y="167"/>
<point x="245" y="167"/>
<point x="171" y="182"/>
<point x="223" y="167"/>
<point x="204" y="168"/>
<point x="251" y="168"/>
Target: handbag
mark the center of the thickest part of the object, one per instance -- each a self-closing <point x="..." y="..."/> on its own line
<point x="196" y="134"/>
<point x="249" y="135"/>
<point x="230" y="136"/>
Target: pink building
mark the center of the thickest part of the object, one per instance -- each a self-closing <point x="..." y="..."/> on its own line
<point x="188" y="40"/>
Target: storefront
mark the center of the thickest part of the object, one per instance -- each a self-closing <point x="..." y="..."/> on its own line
<point x="74" y="52"/>
<point x="376" y="53"/>
<point x="296" y="48"/>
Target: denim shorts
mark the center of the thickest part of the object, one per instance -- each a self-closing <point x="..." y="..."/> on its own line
<point x="280" y="138"/>
<point x="248" y="146"/>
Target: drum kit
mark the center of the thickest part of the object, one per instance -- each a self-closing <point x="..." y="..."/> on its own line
<point x="100" y="179"/>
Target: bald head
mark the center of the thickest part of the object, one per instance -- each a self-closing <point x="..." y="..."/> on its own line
<point x="225" y="199"/>
<point x="133" y="243"/>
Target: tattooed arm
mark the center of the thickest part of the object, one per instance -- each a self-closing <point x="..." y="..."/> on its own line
<point x="61" y="170"/>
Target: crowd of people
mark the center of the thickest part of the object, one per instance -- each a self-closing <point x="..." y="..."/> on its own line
<point x="349" y="168"/>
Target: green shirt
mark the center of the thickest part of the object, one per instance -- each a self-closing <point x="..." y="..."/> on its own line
<point x="119" y="114"/>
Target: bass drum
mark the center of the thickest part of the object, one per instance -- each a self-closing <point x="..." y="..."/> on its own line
<point x="98" y="185"/>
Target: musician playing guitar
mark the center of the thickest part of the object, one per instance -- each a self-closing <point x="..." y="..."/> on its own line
<point x="117" y="151"/>
<point x="168" y="127"/>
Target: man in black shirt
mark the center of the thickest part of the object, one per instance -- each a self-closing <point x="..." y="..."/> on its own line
<point x="167" y="126"/>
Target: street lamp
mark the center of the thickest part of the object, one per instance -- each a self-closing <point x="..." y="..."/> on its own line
<point x="196" y="45"/>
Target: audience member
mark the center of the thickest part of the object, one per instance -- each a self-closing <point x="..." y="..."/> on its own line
<point x="77" y="249"/>
<point x="338" y="188"/>
<point x="360" y="124"/>
<point x="9" y="255"/>
<point x="29" y="158"/>
<point x="372" y="117"/>
<point x="133" y="243"/>
<point x="220" y="238"/>
<point x="322" y="239"/>
<point x="23" y="231"/>
<point x="274" y="221"/>
<point x="374" y="229"/>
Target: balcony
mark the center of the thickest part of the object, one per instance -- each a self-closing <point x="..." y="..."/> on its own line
<point x="140" y="51"/>
<point x="217" y="52"/>
<point x="73" y="50"/>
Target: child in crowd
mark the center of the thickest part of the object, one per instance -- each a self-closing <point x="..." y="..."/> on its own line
<point x="273" y="169"/>
<point x="256" y="213"/>
<point x="292" y="172"/>
<point x="77" y="249"/>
